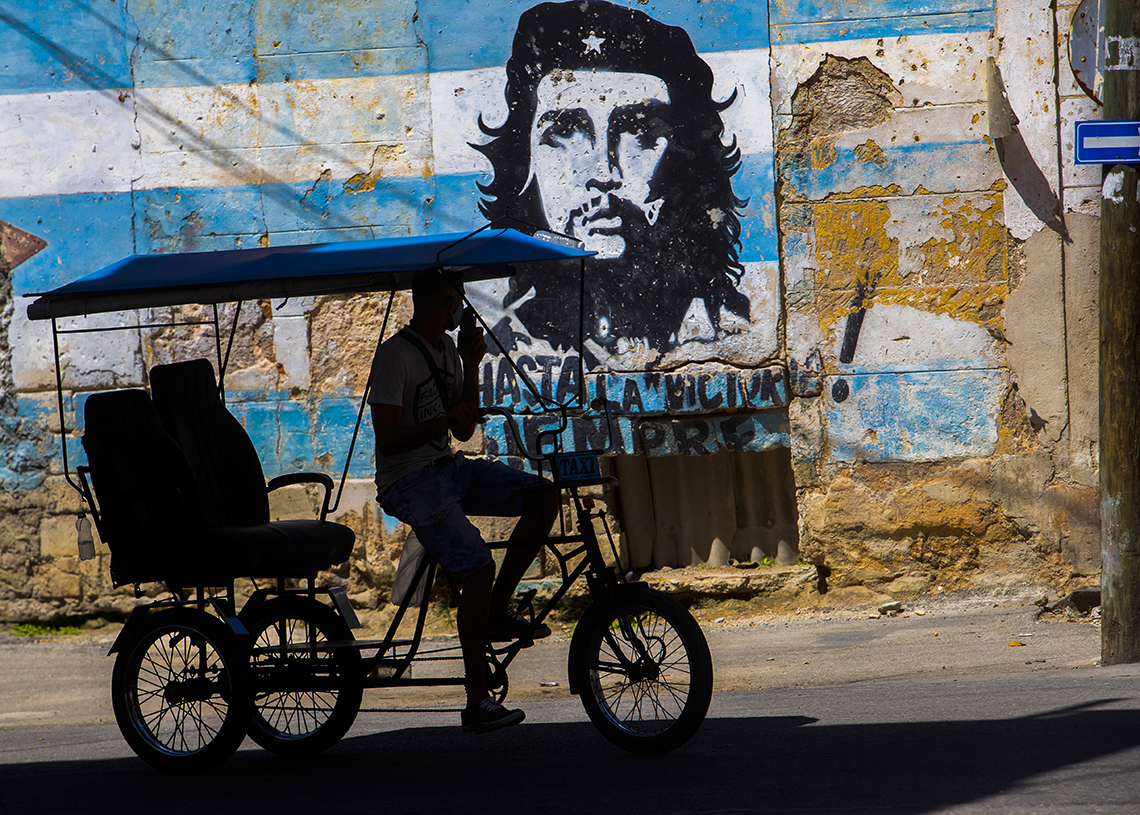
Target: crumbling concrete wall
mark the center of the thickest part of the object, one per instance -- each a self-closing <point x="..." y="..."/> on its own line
<point x="878" y="337"/>
<point x="939" y="285"/>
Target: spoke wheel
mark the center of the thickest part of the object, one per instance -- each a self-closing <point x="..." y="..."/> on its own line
<point x="180" y="691"/>
<point x="304" y="700"/>
<point x="643" y="671"/>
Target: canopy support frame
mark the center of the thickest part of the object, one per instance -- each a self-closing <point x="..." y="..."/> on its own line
<point x="56" y="331"/>
<point x="223" y="359"/>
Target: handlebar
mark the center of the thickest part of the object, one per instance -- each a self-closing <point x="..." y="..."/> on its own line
<point x="598" y="404"/>
<point x="486" y="411"/>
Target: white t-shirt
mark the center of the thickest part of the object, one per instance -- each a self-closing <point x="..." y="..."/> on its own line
<point x="401" y="376"/>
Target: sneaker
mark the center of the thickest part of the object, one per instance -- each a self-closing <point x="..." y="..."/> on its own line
<point x="489" y="715"/>
<point x="510" y="625"/>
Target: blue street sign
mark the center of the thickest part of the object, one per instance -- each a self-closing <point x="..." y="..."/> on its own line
<point x="1107" y="143"/>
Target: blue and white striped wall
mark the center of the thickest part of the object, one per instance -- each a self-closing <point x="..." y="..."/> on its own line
<point x="141" y="126"/>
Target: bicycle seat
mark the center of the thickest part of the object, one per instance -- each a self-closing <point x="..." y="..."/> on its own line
<point x="229" y="480"/>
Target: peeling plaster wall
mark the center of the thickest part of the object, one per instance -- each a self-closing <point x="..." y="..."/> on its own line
<point x="939" y="286"/>
<point x="899" y="378"/>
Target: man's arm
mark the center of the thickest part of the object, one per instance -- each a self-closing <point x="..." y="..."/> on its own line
<point x="392" y="437"/>
<point x="472" y="347"/>
<point x="471" y="378"/>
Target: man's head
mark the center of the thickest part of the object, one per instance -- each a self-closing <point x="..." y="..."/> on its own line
<point x="613" y="136"/>
<point x="436" y="292"/>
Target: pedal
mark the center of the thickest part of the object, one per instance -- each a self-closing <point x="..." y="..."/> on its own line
<point x="525" y="605"/>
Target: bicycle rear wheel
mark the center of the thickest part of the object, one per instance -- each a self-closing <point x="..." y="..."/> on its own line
<point x="643" y="671"/>
<point x="180" y="691"/>
<point x="304" y="701"/>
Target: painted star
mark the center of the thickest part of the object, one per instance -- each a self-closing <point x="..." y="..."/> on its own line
<point x="593" y="43"/>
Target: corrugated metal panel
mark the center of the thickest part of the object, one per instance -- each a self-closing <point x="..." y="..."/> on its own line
<point x="694" y="510"/>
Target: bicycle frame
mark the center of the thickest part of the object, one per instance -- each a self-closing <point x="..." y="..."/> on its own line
<point x="396" y="654"/>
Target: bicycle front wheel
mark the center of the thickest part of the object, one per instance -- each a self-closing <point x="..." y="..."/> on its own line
<point x="643" y="671"/>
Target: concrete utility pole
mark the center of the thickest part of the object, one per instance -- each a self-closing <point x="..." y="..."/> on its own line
<point x="1120" y="351"/>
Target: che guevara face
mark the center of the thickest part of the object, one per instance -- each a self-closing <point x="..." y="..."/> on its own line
<point x="596" y="142"/>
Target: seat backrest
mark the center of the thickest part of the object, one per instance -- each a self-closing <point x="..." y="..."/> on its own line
<point x="142" y="484"/>
<point x="229" y="481"/>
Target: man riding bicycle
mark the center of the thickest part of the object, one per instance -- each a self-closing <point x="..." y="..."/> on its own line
<point x="423" y="391"/>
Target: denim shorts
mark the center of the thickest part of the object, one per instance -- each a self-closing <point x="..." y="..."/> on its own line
<point x="436" y="501"/>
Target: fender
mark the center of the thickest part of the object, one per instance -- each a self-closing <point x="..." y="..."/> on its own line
<point x="253" y="605"/>
<point x="339" y="598"/>
<point x="140" y="613"/>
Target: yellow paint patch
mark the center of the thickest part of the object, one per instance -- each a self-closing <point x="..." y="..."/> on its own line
<point x="852" y="246"/>
<point x="823" y="154"/>
<point x="980" y="304"/>
<point x="876" y="191"/>
<point x="957" y="265"/>
<point x="976" y="253"/>
<point x="383" y="157"/>
<point x="870" y="152"/>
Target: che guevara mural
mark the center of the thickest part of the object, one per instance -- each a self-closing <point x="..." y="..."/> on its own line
<point x="609" y="126"/>
<point x="613" y="137"/>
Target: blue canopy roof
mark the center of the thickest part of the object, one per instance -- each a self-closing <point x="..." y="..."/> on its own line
<point x="153" y="281"/>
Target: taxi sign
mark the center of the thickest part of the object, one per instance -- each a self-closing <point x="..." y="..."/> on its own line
<point x="1107" y="143"/>
<point x="578" y="466"/>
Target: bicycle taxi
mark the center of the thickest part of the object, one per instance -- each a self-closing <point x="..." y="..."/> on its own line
<point x="175" y="488"/>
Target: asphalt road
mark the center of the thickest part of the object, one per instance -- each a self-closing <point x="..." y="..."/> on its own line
<point x="937" y="713"/>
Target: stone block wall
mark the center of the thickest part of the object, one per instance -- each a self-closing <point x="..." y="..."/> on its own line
<point x="823" y="290"/>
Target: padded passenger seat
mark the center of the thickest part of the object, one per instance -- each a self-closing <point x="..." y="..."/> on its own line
<point x="228" y="480"/>
<point x="192" y="521"/>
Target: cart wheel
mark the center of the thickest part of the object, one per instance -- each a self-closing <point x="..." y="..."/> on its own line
<point x="303" y="702"/>
<point x="643" y="671"/>
<point x="180" y="690"/>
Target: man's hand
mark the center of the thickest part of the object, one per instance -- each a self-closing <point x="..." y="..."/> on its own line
<point x="462" y="418"/>
<point x="471" y="346"/>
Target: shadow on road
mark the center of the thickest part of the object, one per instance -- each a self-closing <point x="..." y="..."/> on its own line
<point x="759" y="764"/>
